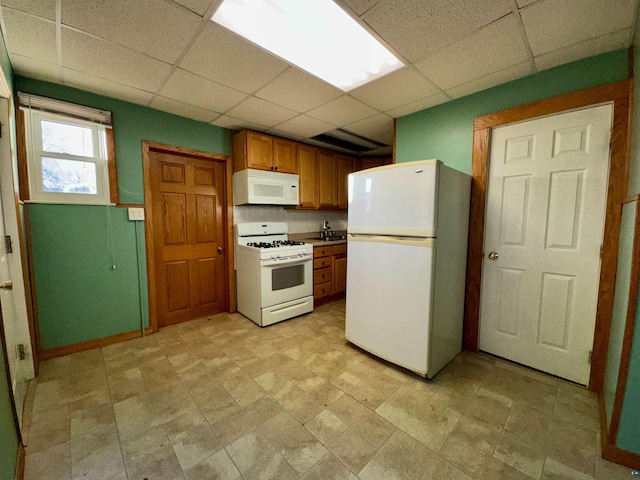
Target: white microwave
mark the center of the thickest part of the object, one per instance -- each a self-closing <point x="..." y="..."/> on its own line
<point x="259" y="187"/>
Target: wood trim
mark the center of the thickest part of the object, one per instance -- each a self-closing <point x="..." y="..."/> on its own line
<point x="23" y="166"/>
<point x="147" y="147"/>
<point x="90" y="344"/>
<point x="632" y="198"/>
<point x="131" y="205"/>
<point x="549" y="106"/>
<point x="618" y="180"/>
<point x="20" y="462"/>
<point x="32" y="285"/>
<point x="608" y="450"/>
<point x="393" y="141"/>
<point x="619" y="94"/>
<point x="114" y="194"/>
<point x="627" y="339"/>
<point x="479" y="170"/>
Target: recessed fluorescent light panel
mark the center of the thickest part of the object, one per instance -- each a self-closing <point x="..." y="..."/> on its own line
<point x="315" y="35"/>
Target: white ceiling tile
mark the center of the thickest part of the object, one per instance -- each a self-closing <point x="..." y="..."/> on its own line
<point x="418" y="105"/>
<point x="197" y="6"/>
<point x="297" y="90"/>
<point x="507" y="75"/>
<point x="41" y="8"/>
<point x="188" y="88"/>
<point x="231" y="123"/>
<point x="304" y="126"/>
<point x="491" y="49"/>
<point x="397" y="88"/>
<point x="30" y="36"/>
<point x="183" y="110"/>
<point x="262" y="112"/>
<point x="223" y="57"/>
<point x="104" y="87"/>
<point x="554" y="24"/>
<point x="104" y="59"/>
<point x="342" y="110"/>
<point x="373" y="126"/>
<point x="386" y="138"/>
<point x="359" y="7"/>
<point x="36" y="69"/>
<point x="283" y="134"/>
<point x="524" y="3"/>
<point x="159" y="29"/>
<point x="588" y="48"/>
<point x="416" y="28"/>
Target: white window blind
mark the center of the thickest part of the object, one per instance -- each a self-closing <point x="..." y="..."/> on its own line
<point x="51" y="105"/>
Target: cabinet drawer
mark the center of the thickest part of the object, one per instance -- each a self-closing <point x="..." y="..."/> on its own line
<point x="322" y="251"/>
<point x="322" y="290"/>
<point x="340" y="249"/>
<point x="321" y="262"/>
<point x="322" y="275"/>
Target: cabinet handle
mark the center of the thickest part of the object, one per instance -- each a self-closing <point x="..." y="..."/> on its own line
<point x="275" y="168"/>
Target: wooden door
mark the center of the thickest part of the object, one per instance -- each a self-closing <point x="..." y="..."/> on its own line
<point x="344" y="166"/>
<point x="544" y="226"/>
<point x="308" y="171"/>
<point x="284" y="156"/>
<point x="188" y="203"/>
<point x="327" y="179"/>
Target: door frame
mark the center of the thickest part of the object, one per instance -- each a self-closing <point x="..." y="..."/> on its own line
<point x="147" y="148"/>
<point x="619" y="94"/>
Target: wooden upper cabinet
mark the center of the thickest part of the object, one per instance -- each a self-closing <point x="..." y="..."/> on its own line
<point x="327" y="179"/>
<point x="308" y="171"/>
<point x="263" y="152"/>
<point x="284" y="156"/>
<point x="344" y="166"/>
<point x="372" y="162"/>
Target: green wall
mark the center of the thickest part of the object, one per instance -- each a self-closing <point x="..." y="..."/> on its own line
<point x="446" y="131"/>
<point x="8" y="432"/>
<point x="79" y="295"/>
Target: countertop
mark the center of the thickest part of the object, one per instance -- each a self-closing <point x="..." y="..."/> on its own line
<point x="311" y="237"/>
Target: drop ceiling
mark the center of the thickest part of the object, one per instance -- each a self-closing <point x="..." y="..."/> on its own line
<point x="169" y="56"/>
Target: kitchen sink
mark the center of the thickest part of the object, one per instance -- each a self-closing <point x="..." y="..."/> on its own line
<point x="332" y="238"/>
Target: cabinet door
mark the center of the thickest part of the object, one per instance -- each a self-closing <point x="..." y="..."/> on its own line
<point x="284" y="156"/>
<point x="259" y="151"/>
<point x="327" y="179"/>
<point x="344" y="166"/>
<point x="339" y="273"/>
<point x="364" y="163"/>
<point x="308" y="171"/>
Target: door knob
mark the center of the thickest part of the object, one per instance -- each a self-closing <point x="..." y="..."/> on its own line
<point x="220" y="250"/>
<point x="6" y="285"/>
<point x="493" y="255"/>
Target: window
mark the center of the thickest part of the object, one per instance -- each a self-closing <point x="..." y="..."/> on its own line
<point x="67" y="157"/>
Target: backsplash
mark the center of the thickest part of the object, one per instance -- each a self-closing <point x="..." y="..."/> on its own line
<point x="299" y="221"/>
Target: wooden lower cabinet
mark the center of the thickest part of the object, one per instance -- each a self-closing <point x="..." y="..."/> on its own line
<point x="329" y="270"/>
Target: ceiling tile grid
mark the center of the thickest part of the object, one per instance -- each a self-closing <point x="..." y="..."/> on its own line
<point x="158" y="29"/>
<point x="223" y="57"/>
<point x="167" y="55"/>
<point x="490" y="49"/>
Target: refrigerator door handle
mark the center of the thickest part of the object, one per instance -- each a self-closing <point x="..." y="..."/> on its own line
<point x="400" y="240"/>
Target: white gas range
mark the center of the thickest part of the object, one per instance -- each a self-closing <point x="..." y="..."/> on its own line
<point x="274" y="274"/>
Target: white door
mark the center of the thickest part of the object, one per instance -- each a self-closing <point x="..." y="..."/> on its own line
<point x="12" y="302"/>
<point x="546" y="199"/>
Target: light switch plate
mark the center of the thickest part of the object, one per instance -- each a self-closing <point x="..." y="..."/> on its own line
<point x="136" y="213"/>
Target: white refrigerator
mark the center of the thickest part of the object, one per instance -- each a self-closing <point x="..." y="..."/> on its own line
<point x="406" y="263"/>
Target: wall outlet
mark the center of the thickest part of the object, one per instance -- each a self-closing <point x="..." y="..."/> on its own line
<point x="136" y="213"/>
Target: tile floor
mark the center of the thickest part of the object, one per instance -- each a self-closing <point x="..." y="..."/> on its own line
<point x="222" y="398"/>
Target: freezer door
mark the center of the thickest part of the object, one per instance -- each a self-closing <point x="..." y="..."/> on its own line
<point x="389" y="299"/>
<point x="394" y="200"/>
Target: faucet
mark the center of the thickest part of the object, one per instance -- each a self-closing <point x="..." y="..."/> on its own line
<point x="326" y="230"/>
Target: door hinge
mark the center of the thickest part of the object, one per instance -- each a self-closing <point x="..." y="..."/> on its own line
<point x="8" y="248"/>
<point x="21" y="351"/>
<point x="590" y="356"/>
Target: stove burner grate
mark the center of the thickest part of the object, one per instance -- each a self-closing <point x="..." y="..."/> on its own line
<point x="275" y="244"/>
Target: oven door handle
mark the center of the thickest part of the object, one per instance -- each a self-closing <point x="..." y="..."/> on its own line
<point x="284" y="261"/>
